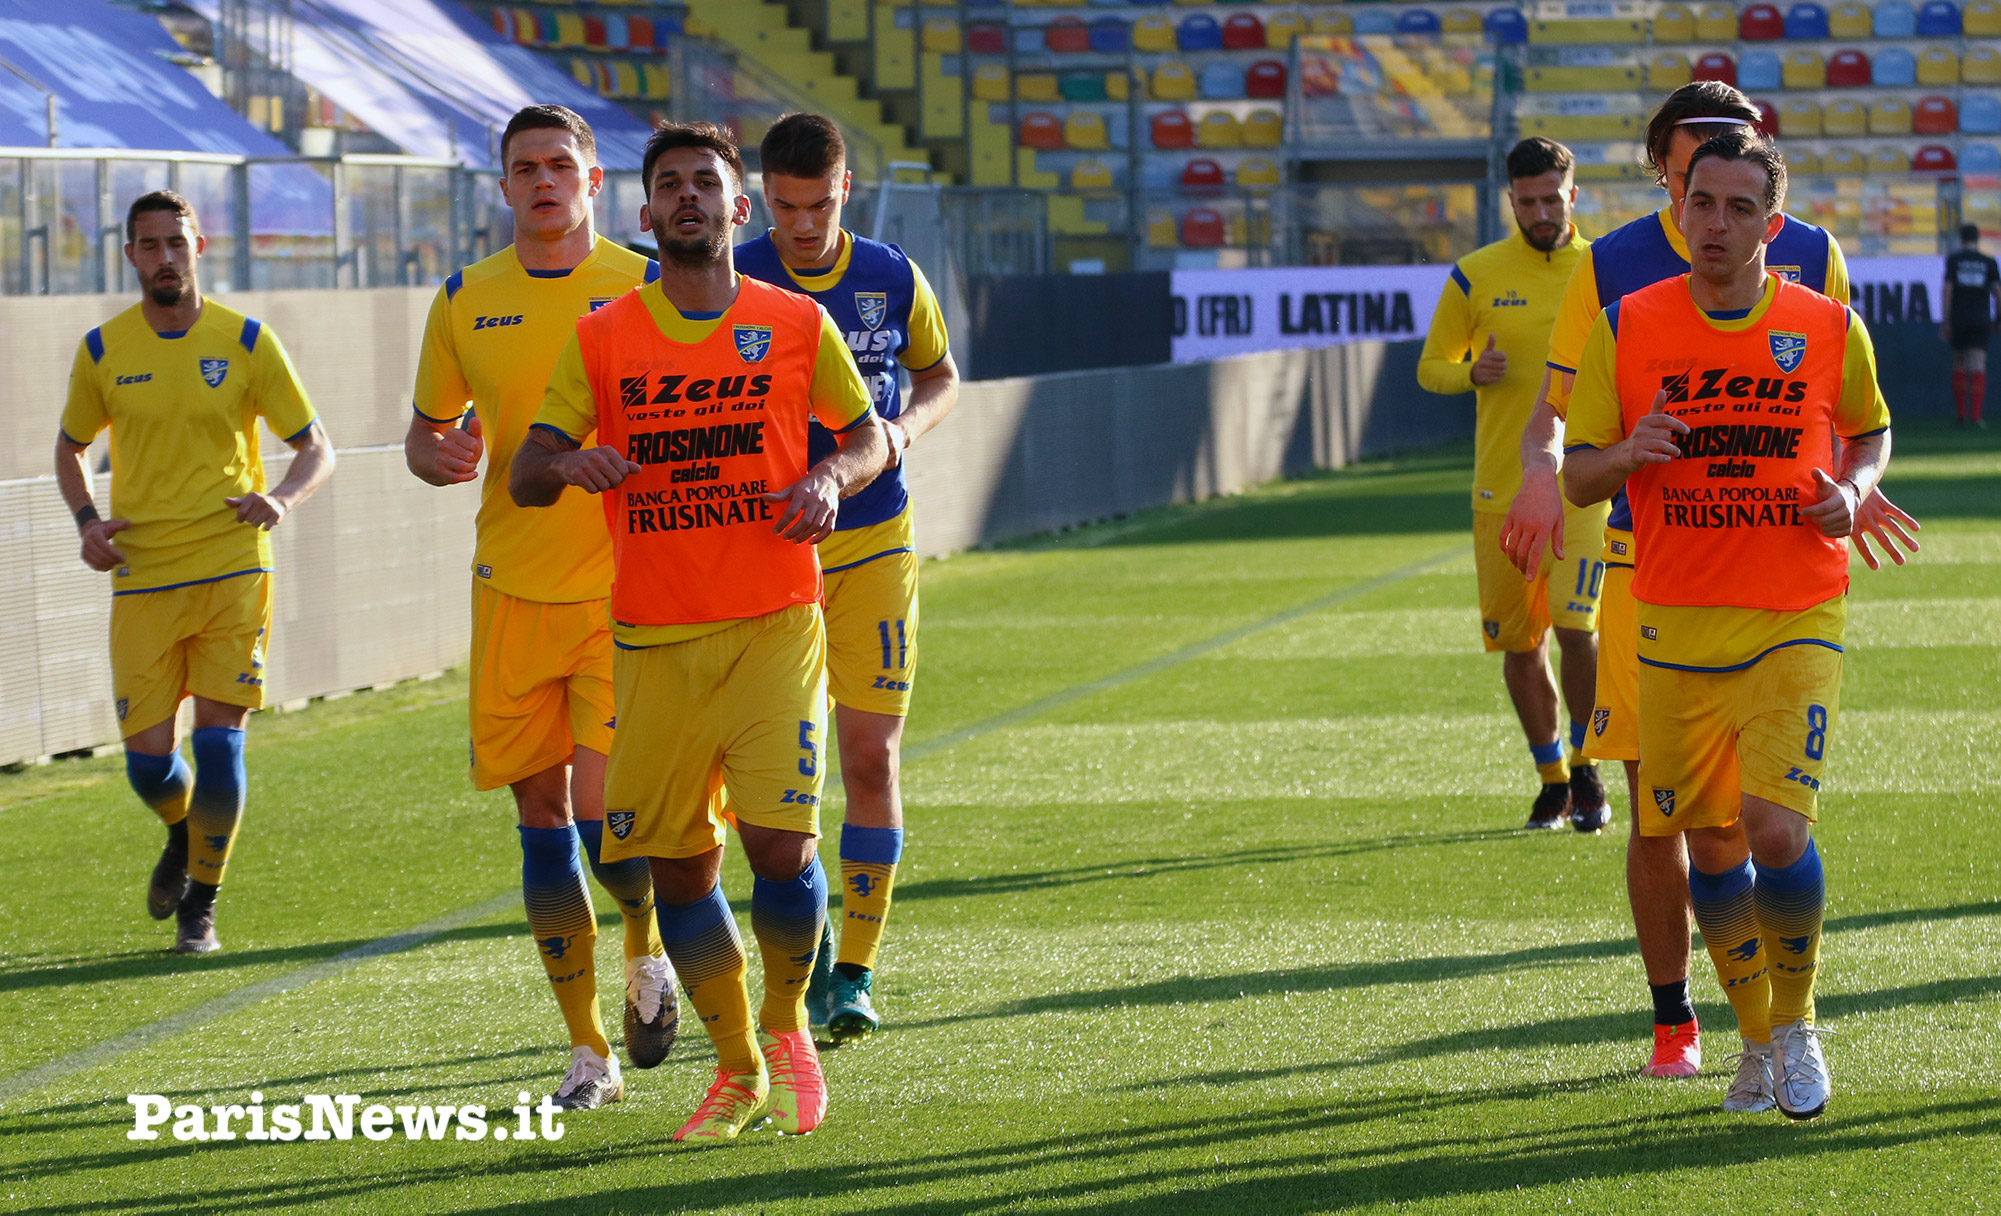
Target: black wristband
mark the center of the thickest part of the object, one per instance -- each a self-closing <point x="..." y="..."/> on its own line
<point x="85" y="514"/>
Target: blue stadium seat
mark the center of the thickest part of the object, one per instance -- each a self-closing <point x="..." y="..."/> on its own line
<point x="1938" y="19"/>
<point x="1417" y="21"/>
<point x="1759" y="71"/>
<point x="1980" y="114"/>
<point x="1895" y="67"/>
<point x="1806" y="20"/>
<point x="1375" y="20"/>
<point x="1894" y="19"/>
<point x="1222" y="82"/>
<point x="1507" y="26"/>
<point x="1110" y="36"/>
<point x="1199" y="32"/>
<point x="1982" y="159"/>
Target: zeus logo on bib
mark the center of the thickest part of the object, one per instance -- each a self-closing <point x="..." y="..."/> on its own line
<point x="753" y="342"/>
<point x="873" y="307"/>
<point x="213" y="371"/>
<point x="1788" y="349"/>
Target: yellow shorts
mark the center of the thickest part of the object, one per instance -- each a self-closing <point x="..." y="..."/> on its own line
<point x="1615" y="718"/>
<point x="1516" y="612"/>
<point x="541" y="684"/>
<point x="740" y="713"/>
<point x="1708" y="738"/>
<point x="201" y="640"/>
<point x="871" y="604"/>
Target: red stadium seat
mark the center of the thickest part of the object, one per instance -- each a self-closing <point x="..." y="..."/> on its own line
<point x="986" y="38"/>
<point x="1761" y="23"/>
<point x="1202" y="178"/>
<point x="1171" y="129"/>
<point x="1203" y="228"/>
<point x="1042" y="131"/>
<point x="1716" y="66"/>
<point x="1935" y="116"/>
<point x="1067" y="35"/>
<point x="1768" y="119"/>
<point x="1933" y="158"/>
<point x="1243" y="32"/>
<point x="594" y="33"/>
<point x="1265" y="79"/>
<point x="1848" y="70"/>
<point x="641" y="35"/>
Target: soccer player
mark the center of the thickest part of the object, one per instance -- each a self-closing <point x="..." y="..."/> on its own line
<point x="1972" y="280"/>
<point x="1633" y="256"/>
<point x="1505" y="295"/>
<point x="540" y="700"/>
<point x="699" y="390"/>
<point x="181" y="382"/>
<point x="1713" y="398"/>
<point x="881" y="302"/>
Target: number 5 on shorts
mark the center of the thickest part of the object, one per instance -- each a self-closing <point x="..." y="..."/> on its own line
<point x="1816" y="731"/>
<point x="810" y="766"/>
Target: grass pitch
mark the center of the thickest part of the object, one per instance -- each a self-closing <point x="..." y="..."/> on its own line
<point x="1214" y="898"/>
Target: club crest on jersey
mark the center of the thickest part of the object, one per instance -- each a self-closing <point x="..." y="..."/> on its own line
<point x="1790" y="274"/>
<point x="620" y="823"/>
<point x="1599" y="717"/>
<point x="598" y="302"/>
<point x="1493" y="629"/>
<point x="1788" y="349"/>
<point x="1664" y="799"/>
<point x="873" y="307"/>
<point x="753" y="342"/>
<point x="213" y="371"/>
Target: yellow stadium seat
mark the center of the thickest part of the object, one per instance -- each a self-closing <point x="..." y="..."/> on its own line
<point x="1334" y="25"/>
<point x="1981" y="19"/>
<point x="1716" y="23"/>
<point x="1842" y="158"/>
<point x="1850" y="19"/>
<point x="1172" y="81"/>
<point x="1890" y="116"/>
<point x="1800" y="162"/>
<point x="1889" y="159"/>
<point x="1160" y="230"/>
<point x="1460" y="21"/>
<point x="1804" y="70"/>
<point x="1282" y="28"/>
<point x="1037" y="86"/>
<point x="580" y="70"/>
<point x="1799" y="118"/>
<point x="1938" y="67"/>
<point x="1257" y="172"/>
<point x="1118" y="86"/>
<point x="1674" y="23"/>
<point x="1982" y="65"/>
<point x="1263" y="129"/>
<point x="1844" y="116"/>
<point x="1091" y="175"/>
<point x="1219" y="129"/>
<point x="658" y="86"/>
<point x="941" y="36"/>
<point x="1086" y="129"/>
<point x="1153" y="35"/>
<point x="569" y="29"/>
<point x="1667" y="71"/>
<point x="990" y="82"/>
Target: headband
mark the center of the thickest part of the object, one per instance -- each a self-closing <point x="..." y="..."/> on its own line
<point x="1732" y="122"/>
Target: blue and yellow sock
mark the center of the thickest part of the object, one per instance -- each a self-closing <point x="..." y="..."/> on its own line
<point x="1790" y="906"/>
<point x="215" y="805"/>
<point x="1726" y="912"/>
<point x="565" y="929"/>
<point x="1549" y="762"/>
<point x="707" y="953"/>
<point x="868" y="877"/>
<point x="630" y="882"/>
<point x="1577" y="757"/>
<point x="787" y="918"/>
<point x="163" y="783"/>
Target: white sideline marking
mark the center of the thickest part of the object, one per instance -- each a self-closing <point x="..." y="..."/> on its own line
<point x="29" y="1080"/>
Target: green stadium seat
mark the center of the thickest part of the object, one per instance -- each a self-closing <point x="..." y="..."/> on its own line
<point x="1082" y="87"/>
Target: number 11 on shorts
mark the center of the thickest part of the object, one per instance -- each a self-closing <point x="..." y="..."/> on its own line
<point x="900" y="651"/>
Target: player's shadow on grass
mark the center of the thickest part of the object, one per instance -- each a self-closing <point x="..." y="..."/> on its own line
<point x="1394" y="513"/>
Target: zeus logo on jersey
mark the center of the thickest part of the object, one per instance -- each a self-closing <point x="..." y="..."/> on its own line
<point x="213" y="371"/>
<point x="1511" y="300"/>
<point x="633" y="390"/>
<point x="862" y="342"/>
<point x="135" y="379"/>
<point x="494" y="322"/>
<point x="1712" y="384"/>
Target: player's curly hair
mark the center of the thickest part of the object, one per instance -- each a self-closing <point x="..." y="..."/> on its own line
<point x="668" y="136"/>
<point x="1696" y="100"/>
<point x="1744" y="144"/>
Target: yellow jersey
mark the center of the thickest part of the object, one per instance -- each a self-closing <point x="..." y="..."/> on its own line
<point x="838" y="399"/>
<point x="493" y="335"/>
<point x="1509" y="290"/>
<point x="1710" y="638"/>
<point x="183" y="410"/>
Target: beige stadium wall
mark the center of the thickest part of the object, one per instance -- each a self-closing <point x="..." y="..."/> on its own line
<point x="373" y="572"/>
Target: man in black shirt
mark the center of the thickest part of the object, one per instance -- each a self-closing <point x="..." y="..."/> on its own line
<point x="1971" y="279"/>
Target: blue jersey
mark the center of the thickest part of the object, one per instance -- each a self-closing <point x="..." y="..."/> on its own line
<point x="882" y="305"/>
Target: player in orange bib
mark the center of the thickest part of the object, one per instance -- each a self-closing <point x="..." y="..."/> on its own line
<point x="700" y="391"/>
<point x="1714" y="400"/>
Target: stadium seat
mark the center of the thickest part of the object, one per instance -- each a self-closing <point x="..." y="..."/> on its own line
<point x="940" y="36"/>
<point x="1894" y="67"/>
<point x="1038" y="86"/>
<point x="1067" y="36"/>
<point x="1082" y="87"/>
<point x="1851" y="19"/>
<point x="1938" y="67"/>
<point x="986" y="38"/>
<point x="1848" y="70"/>
<point x="1667" y="71"/>
<point x="1204" y="228"/>
<point x="1110" y="36"/>
<point x="1933" y="158"/>
<point x="1801" y="161"/>
<point x="1091" y="175"/>
<point x="990" y="82"/>
<point x="1673" y="23"/>
<point x="1281" y="29"/>
<point x="1263" y="129"/>
<point x="1982" y="65"/>
<point x="1202" y="178"/>
<point x="1806" y="20"/>
<point x="1934" y="116"/>
<point x="1375" y="20"/>
<point x="1804" y="69"/>
<point x="1894" y="19"/>
<point x="1716" y="23"/>
<point x="1768" y="119"/>
<point x="1938" y="19"/>
<point x="1333" y="25"/>
<point x="594" y="33"/>
<point x="1981" y="159"/>
<point x="1086" y="129"/>
<point x="1761" y="23"/>
<point x="1199" y="32"/>
<point x="1887" y="159"/>
<point x="1223" y="81"/>
<point x="1715" y="66"/>
<point x="1844" y="116"/>
<point x="1160" y="230"/>
<point x="1455" y="21"/>
<point x="1980" y="114"/>
<point x="1799" y="118"/>
<point x="1219" y="129"/>
<point x="1171" y="129"/>
<point x="1258" y="173"/>
<point x="1759" y="71"/>
<point x="1419" y="22"/>
<point x="1506" y="26"/>
<point x="1153" y="34"/>
<point x="1243" y="32"/>
<point x="1981" y="19"/>
<point x="1890" y="116"/>
<point x="1042" y="131"/>
<point x="1265" y="80"/>
<point x="1172" y="81"/>
<point x="1844" y="159"/>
